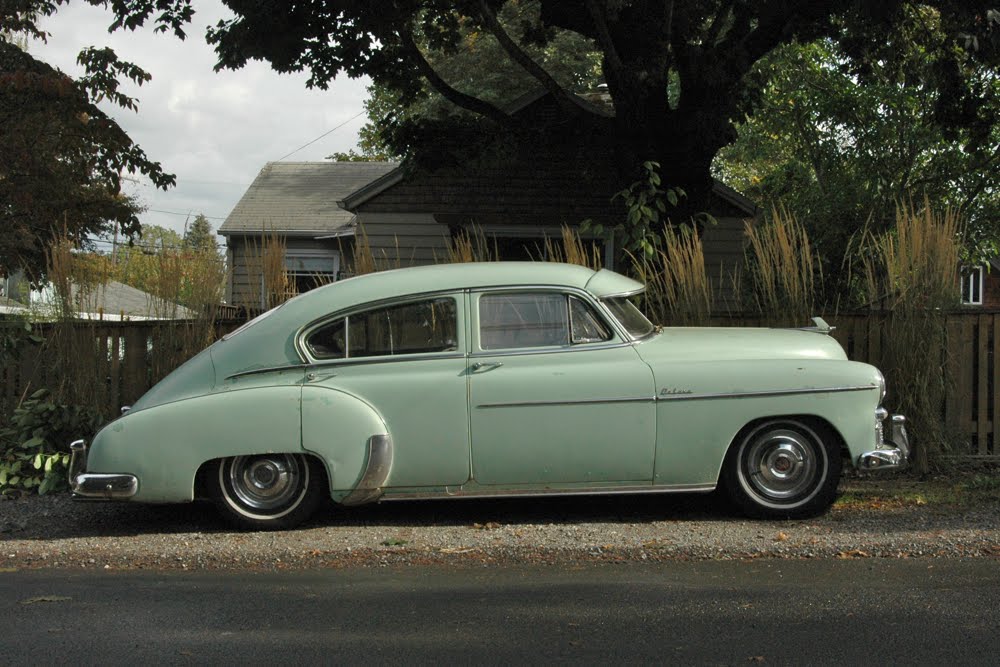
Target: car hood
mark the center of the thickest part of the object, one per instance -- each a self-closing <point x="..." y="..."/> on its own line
<point x="735" y="343"/>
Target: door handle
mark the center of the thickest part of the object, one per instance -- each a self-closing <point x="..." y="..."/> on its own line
<point x="480" y="365"/>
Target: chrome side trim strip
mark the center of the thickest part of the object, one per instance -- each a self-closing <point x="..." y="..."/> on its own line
<point x="669" y="396"/>
<point x="538" y="493"/>
<point x="758" y="394"/>
<point x="270" y="369"/>
<point x="587" y="401"/>
<point x="369" y="487"/>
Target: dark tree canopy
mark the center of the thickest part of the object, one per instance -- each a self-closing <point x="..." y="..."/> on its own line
<point x="677" y="70"/>
<point x="62" y="158"/>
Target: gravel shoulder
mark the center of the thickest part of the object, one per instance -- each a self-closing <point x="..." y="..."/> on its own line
<point x="898" y="518"/>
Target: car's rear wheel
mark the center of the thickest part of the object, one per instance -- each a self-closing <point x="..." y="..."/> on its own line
<point x="784" y="469"/>
<point x="267" y="491"/>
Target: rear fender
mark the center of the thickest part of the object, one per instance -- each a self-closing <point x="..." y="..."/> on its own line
<point x="165" y="445"/>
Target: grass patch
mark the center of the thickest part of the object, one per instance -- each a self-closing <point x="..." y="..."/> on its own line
<point x="951" y="493"/>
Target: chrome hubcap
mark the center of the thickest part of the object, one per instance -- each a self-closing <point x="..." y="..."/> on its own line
<point x="781" y="464"/>
<point x="267" y="481"/>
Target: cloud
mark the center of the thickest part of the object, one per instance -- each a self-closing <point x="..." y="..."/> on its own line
<point x="215" y="131"/>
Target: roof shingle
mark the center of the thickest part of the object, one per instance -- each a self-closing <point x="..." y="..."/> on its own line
<point x="300" y="198"/>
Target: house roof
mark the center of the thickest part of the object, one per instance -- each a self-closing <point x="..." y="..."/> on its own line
<point x="115" y="299"/>
<point x="391" y="178"/>
<point x="300" y="198"/>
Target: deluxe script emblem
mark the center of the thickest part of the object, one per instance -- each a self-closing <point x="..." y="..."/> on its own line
<point x="672" y="391"/>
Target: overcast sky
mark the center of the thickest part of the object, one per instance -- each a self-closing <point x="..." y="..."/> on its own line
<point x="213" y="130"/>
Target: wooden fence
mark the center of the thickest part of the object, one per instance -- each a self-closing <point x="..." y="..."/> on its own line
<point x="103" y="365"/>
<point x="127" y="358"/>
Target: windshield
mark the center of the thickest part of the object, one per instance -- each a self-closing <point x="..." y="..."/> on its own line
<point x="629" y="316"/>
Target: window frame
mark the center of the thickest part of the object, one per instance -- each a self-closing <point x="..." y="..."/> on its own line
<point x="460" y="330"/>
<point x="974" y="281"/>
<point x="617" y="336"/>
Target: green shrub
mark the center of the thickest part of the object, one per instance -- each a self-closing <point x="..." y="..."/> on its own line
<point x="34" y="445"/>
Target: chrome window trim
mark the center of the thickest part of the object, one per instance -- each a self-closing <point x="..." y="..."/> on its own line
<point x="303" y="332"/>
<point x="518" y="351"/>
<point x="384" y="359"/>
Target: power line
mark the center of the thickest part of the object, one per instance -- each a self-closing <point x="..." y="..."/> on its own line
<point x="189" y="213"/>
<point x="360" y="113"/>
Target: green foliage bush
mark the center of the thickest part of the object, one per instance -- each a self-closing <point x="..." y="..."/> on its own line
<point x="34" y="445"/>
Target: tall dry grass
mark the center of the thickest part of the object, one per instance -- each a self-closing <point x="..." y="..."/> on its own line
<point x="678" y="290"/>
<point x="469" y="245"/>
<point x="781" y="269"/>
<point x="911" y="274"/>
<point x="268" y="280"/>
<point x="571" y="249"/>
<point x="77" y="351"/>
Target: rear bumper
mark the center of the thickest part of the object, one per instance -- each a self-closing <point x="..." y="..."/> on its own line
<point x="97" y="486"/>
<point x="891" y="453"/>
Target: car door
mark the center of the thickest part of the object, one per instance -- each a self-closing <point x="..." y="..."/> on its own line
<point x="557" y="395"/>
<point x="407" y="361"/>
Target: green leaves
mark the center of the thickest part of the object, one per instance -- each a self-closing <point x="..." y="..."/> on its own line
<point x="34" y="446"/>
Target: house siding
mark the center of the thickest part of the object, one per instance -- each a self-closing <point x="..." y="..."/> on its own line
<point x="403" y="239"/>
<point x="245" y="288"/>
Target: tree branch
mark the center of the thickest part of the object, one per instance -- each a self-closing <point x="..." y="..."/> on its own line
<point x="456" y="97"/>
<point x="564" y="99"/>
<point x="718" y="23"/>
<point x="611" y="57"/>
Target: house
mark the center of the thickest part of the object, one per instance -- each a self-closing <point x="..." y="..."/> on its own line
<point x="981" y="285"/>
<point x="295" y="202"/>
<point x="110" y="301"/>
<point x="515" y="196"/>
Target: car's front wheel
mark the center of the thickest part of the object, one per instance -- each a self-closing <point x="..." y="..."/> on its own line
<point x="267" y="491"/>
<point x="784" y="469"/>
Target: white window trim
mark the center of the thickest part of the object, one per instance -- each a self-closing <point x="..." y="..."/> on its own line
<point x="970" y="288"/>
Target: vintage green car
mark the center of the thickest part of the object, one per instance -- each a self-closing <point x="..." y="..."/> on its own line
<point x="494" y="379"/>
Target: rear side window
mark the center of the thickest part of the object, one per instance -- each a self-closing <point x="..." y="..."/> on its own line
<point x="418" y="327"/>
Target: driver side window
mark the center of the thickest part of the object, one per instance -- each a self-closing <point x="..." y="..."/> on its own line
<point x="537" y="319"/>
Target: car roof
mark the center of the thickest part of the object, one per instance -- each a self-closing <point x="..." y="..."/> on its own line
<point x="471" y="275"/>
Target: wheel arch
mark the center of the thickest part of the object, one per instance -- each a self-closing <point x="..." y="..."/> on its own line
<point x="814" y="420"/>
<point x="742" y="491"/>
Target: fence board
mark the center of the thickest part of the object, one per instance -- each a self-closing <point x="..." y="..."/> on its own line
<point x="983" y="426"/>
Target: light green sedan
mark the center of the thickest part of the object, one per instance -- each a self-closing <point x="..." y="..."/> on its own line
<point x="498" y="379"/>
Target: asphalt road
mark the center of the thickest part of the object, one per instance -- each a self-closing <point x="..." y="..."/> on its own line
<point x="919" y="611"/>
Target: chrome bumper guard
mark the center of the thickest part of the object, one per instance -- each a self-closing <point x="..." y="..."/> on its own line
<point x="97" y="486"/>
<point x="891" y="455"/>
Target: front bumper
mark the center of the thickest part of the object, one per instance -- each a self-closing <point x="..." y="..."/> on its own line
<point x="890" y="453"/>
<point x="97" y="486"/>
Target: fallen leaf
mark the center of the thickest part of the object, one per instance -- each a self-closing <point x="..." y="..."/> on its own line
<point x="46" y="598"/>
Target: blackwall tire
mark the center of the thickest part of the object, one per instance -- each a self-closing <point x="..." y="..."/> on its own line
<point x="267" y="491"/>
<point x="784" y="468"/>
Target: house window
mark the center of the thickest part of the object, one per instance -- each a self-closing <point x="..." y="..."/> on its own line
<point x="972" y="287"/>
<point x="307" y="269"/>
